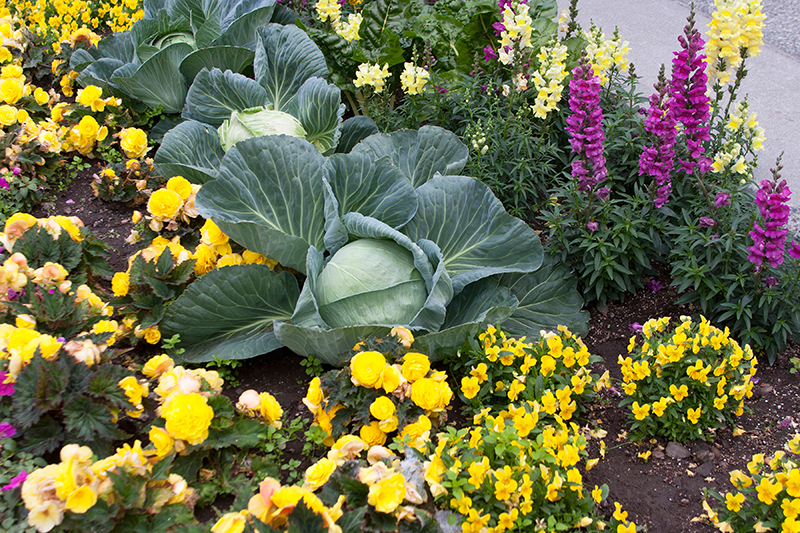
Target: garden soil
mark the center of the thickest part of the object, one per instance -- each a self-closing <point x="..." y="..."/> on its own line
<point x="664" y="493"/>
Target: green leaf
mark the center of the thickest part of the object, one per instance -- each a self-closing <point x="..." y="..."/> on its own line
<point x="192" y="150"/>
<point x="547" y="298"/>
<point x="274" y="182"/>
<point x="157" y="82"/>
<point x="89" y="420"/>
<point x="476" y="235"/>
<point x="317" y="105"/>
<point x="244" y="433"/>
<point x="229" y="312"/>
<point x="478" y="305"/>
<point x="354" y="130"/>
<point x="285" y="58"/>
<point x="215" y="94"/>
<point x="419" y="154"/>
<point x="331" y="346"/>
<point x="224" y="58"/>
<point x="375" y="189"/>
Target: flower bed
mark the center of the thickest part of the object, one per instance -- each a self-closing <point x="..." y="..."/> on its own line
<point x="301" y="179"/>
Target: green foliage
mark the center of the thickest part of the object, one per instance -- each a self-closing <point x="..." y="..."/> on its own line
<point x="13" y="516"/>
<point x="312" y="365"/>
<point x="121" y="182"/>
<point x="152" y="285"/>
<point x="226" y="368"/>
<point x="24" y="192"/>
<point x="685" y="382"/>
<point x="62" y="401"/>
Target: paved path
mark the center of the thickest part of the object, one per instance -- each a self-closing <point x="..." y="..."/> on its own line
<point x="773" y="83"/>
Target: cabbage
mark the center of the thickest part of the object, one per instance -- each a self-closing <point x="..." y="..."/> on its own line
<point x="385" y="235"/>
<point x="255" y="122"/>
<point x="370" y="281"/>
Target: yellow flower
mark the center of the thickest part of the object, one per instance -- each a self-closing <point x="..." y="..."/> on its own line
<point x="230" y="523"/>
<point x="694" y="414"/>
<point x="164" y="204"/>
<point x="319" y="473"/>
<point x="188" y="417"/>
<point x="120" y="284"/>
<point x="152" y="335"/>
<point x="162" y="440"/>
<point x="415" y="366"/>
<point x="430" y="394"/>
<point x="630" y="528"/>
<point x="382" y="408"/>
<point x="180" y="185"/>
<point x="372" y="434"/>
<point x="8" y="115"/>
<point x="88" y="127"/>
<point x="11" y="90"/>
<point x="81" y="499"/>
<point x="133" y="142"/>
<point x="387" y="494"/>
<point x="734" y="503"/>
<point x="470" y="386"/>
<point x="366" y="369"/>
<point x="270" y="409"/>
<point x="597" y="494"/>
<point x="41" y="96"/>
<point x="157" y="365"/>
<point x="679" y="393"/>
<point x="640" y="412"/>
<point x="768" y="491"/>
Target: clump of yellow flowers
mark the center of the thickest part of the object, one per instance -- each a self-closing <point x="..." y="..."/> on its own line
<point x="372" y="76"/>
<point x="404" y="395"/>
<point x="501" y="369"/>
<point x="606" y="55"/>
<point x="735" y="32"/>
<point x="766" y="497"/>
<point x="549" y="78"/>
<point x="685" y="380"/>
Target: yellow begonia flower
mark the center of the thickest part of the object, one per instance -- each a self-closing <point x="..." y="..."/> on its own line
<point x="188" y="417"/>
<point x="133" y="142"/>
<point x="387" y="494"/>
<point x="164" y="204"/>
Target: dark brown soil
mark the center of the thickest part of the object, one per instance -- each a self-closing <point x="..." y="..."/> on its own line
<point x="663" y="494"/>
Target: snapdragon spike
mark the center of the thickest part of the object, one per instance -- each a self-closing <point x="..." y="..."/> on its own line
<point x="769" y="240"/>
<point x="657" y="159"/>
<point x="689" y="103"/>
<point x="585" y="127"/>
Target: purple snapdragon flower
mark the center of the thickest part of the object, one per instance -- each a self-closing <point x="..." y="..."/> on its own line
<point x="657" y="159"/>
<point x="592" y="226"/>
<point x="655" y="285"/>
<point x="690" y="103"/>
<point x="706" y="222"/>
<point x="794" y="250"/>
<point x="489" y="54"/>
<point x="722" y="199"/>
<point x="4" y="184"/>
<point x="6" y="389"/>
<point x="16" y="481"/>
<point x="585" y="127"/>
<point x="769" y="241"/>
<point x="7" y="430"/>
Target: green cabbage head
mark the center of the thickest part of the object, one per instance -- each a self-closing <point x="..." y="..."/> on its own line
<point x="370" y="281"/>
<point x="258" y="121"/>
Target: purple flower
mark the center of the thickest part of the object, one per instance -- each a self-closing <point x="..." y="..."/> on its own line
<point x="602" y="193"/>
<point x="61" y="339"/>
<point x="17" y="171"/>
<point x="6" y="389"/>
<point x="489" y="54"/>
<point x="722" y="199"/>
<point x="585" y="127"/>
<point x="7" y="430"/>
<point x="689" y="103"/>
<point x="706" y="222"/>
<point x="770" y="282"/>
<point x="440" y="90"/>
<point x="794" y="250"/>
<point x="638" y="328"/>
<point x="592" y="226"/>
<point x="785" y="423"/>
<point x="654" y="285"/>
<point x="657" y="159"/>
<point x="4" y="184"/>
<point x="16" y="481"/>
<point x="769" y="241"/>
<point x="70" y="202"/>
<point x="498" y="28"/>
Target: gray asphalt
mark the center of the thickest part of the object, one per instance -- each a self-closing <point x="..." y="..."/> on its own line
<point x="652" y="28"/>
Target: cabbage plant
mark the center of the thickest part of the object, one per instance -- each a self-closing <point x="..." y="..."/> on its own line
<point x="289" y="80"/>
<point x="386" y="235"/>
<point x="157" y="60"/>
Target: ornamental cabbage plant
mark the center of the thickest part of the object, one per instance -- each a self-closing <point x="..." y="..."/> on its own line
<point x="157" y="60"/>
<point x="386" y="235"/>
